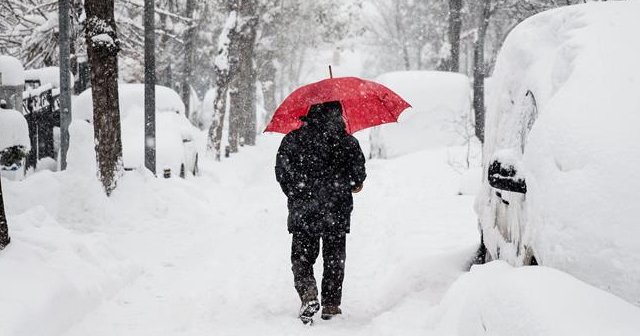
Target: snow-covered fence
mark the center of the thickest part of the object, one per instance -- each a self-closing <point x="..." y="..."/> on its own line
<point x="41" y="108"/>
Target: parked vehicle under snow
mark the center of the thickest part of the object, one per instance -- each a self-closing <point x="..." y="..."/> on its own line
<point x="176" y="137"/>
<point x="562" y="149"/>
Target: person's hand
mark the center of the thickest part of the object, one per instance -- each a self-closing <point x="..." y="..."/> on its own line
<point x="357" y="189"/>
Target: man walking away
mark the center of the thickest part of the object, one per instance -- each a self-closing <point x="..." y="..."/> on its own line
<point x="319" y="166"/>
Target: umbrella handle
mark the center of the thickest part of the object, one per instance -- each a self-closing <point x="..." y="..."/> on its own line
<point x="330" y="72"/>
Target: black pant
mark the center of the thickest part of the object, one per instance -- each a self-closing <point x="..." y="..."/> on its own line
<point x="304" y="252"/>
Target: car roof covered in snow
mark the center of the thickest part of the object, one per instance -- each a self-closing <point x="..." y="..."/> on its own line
<point x="438" y="100"/>
<point x="11" y="71"/>
<point x="47" y="75"/>
<point x="131" y="100"/>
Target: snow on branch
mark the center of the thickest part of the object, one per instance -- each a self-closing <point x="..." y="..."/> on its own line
<point x="159" y="11"/>
<point x="102" y="35"/>
<point x="222" y="59"/>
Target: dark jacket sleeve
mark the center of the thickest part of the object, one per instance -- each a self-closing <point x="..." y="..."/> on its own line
<point x="284" y="167"/>
<point x="357" y="172"/>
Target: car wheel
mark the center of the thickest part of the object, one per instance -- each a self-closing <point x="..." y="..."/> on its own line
<point x="481" y="253"/>
<point x="530" y="258"/>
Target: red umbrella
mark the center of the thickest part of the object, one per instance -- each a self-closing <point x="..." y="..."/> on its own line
<point x="364" y="104"/>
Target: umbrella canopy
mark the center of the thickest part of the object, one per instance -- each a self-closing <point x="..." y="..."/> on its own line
<point x="364" y="104"/>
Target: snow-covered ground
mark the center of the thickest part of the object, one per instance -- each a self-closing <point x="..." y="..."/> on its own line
<point x="210" y="255"/>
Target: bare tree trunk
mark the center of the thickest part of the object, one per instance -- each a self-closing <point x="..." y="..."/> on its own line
<point x="235" y="116"/>
<point x="267" y="77"/>
<point x="242" y="85"/>
<point x="266" y="71"/>
<point x="479" y="70"/>
<point x="149" y="87"/>
<point x="455" y="25"/>
<point x="4" y="228"/>
<point x="219" y="110"/>
<point x="189" y="57"/>
<point x="247" y="72"/>
<point x="65" y="80"/>
<point x="225" y="67"/>
<point x="250" y="108"/>
<point x="402" y="35"/>
<point x="102" y="48"/>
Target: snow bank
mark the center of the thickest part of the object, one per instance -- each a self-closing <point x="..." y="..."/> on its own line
<point x="14" y="130"/>
<point x="60" y="263"/>
<point x="53" y="275"/>
<point x="439" y="100"/>
<point x="496" y="299"/>
<point x="47" y="75"/>
<point x="131" y="101"/>
<point x="581" y="157"/>
<point x="72" y="247"/>
<point x="11" y="71"/>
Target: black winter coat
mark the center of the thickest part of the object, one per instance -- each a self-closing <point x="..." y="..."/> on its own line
<point x="317" y="170"/>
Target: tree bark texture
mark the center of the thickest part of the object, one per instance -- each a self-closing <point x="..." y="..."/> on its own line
<point x="479" y="70"/>
<point x="402" y="35"/>
<point x="267" y="78"/>
<point x="225" y="67"/>
<point x="250" y="108"/>
<point x="4" y="228"/>
<point x="235" y="116"/>
<point x="65" y="80"/>
<point x="234" y="69"/>
<point x="102" y="49"/>
<point x="189" y="57"/>
<point x="455" y="25"/>
<point x="266" y="71"/>
<point x="247" y="74"/>
<point x="149" y="87"/>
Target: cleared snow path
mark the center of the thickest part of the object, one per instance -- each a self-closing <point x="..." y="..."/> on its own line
<point x="224" y="268"/>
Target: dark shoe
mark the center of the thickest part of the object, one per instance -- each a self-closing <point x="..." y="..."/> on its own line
<point x="307" y="310"/>
<point x="328" y="312"/>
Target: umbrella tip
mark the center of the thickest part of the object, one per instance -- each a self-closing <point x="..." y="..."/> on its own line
<point x="330" y="72"/>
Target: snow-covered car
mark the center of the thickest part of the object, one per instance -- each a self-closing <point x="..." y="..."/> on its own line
<point x="562" y="150"/>
<point x="440" y="103"/>
<point x="176" y="137"/>
<point x="14" y="131"/>
<point x="14" y="143"/>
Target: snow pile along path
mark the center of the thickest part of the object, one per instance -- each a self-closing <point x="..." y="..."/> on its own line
<point x="497" y="299"/>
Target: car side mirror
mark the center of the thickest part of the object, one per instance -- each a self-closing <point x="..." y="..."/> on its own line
<point x="505" y="177"/>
